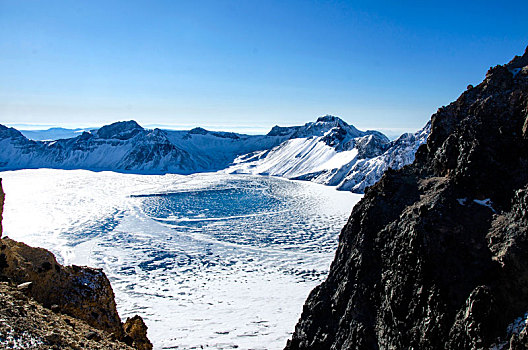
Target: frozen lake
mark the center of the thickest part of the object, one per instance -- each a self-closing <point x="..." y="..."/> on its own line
<point x="208" y="260"/>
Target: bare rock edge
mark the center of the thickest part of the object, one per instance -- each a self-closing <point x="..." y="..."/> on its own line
<point x="435" y="256"/>
<point x="44" y="304"/>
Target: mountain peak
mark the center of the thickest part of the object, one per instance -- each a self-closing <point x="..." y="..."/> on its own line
<point x="519" y="61"/>
<point x="198" y="131"/>
<point x="120" y="130"/>
<point x="326" y="124"/>
<point x="282" y="130"/>
<point x="321" y="127"/>
<point x="330" y="119"/>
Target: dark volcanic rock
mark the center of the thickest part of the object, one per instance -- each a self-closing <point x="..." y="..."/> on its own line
<point x="435" y="256"/>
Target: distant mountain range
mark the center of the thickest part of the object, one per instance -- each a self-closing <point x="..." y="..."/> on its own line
<point x="53" y="133"/>
<point x="328" y="151"/>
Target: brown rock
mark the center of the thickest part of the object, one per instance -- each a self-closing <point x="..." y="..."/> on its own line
<point x="41" y="329"/>
<point x="93" y="336"/>
<point x="53" y="338"/>
<point x="2" y="199"/>
<point x="81" y="292"/>
<point x="136" y="331"/>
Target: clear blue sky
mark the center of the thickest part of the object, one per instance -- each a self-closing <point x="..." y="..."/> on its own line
<point x="247" y="65"/>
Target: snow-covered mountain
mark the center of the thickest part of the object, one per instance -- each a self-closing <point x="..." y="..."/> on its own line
<point x="332" y="152"/>
<point x="400" y="152"/>
<point x="122" y="146"/>
<point x="327" y="151"/>
<point x="127" y="147"/>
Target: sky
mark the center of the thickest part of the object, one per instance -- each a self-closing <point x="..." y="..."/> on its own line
<point x="247" y="65"/>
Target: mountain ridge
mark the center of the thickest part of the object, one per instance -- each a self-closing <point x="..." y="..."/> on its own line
<point x="317" y="149"/>
<point x="337" y="154"/>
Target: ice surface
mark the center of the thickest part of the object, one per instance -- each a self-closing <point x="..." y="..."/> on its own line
<point x="485" y="202"/>
<point x="213" y="260"/>
<point x="462" y="201"/>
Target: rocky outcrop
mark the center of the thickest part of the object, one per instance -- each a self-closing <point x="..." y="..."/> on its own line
<point x="136" y="333"/>
<point x="435" y="256"/>
<point x="81" y="292"/>
<point x="2" y="199"/>
<point x="119" y="130"/>
<point x="26" y="324"/>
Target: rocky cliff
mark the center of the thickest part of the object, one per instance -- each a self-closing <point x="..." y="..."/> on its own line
<point x="435" y="256"/>
<point x="83" y="293"/>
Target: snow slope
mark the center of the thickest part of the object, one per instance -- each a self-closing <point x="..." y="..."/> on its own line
<point x="337" y="155"/>
<point x="315" y="147"/>
<point x="366" y="172"/>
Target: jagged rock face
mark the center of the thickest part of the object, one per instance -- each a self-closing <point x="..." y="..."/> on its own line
<point x="136" y="332"/>
<point x="398" y="153"/>
<point x="82" y="292"/>
<point x="2" y="199"/>
<point x="435" y="256"/>
<point x="26" y="324"/>
<point x="371" y="146"/>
